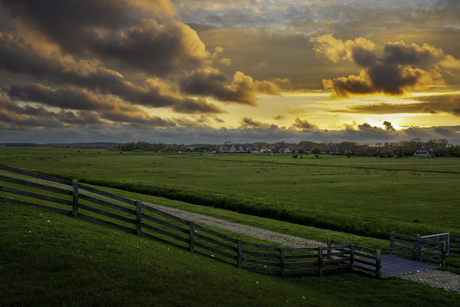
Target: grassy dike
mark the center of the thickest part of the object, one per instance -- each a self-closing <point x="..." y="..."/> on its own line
<point x="49" y="259"/>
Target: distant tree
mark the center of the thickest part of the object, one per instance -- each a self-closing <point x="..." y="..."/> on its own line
<point x="440" y="151"/>
<point x="301" y="151"/>
<point x="318" y="149"/>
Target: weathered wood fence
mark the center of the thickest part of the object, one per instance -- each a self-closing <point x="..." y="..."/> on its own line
<point x="454" y="247"/>
<point x="363" y="258"/>
<point x="132" y="216"/>
<point x="418" y="248"/>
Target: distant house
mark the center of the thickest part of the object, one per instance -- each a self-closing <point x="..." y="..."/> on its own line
<point x="223" y="149"/>
<point x="284" y="150"/>
<point x="425" y="151"/>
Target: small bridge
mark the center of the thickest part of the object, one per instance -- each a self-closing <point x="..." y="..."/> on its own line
<point x="425" y="253"/>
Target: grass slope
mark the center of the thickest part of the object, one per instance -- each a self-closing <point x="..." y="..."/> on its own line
<point x="49" y="259"/>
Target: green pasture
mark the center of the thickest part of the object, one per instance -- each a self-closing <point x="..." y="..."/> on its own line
<point x="49" y="259"/>
<point x="361" y="195"/>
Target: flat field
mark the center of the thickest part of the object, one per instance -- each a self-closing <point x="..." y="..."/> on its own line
<point x="362" y="195"/>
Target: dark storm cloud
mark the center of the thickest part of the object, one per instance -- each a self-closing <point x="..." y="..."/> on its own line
<point x="428" y="104"/>
<point x="402" y="67"/>
<point x="388" y="126"/>
<point x="303" y="124"/>
<point x="243" y="89"/>
<point x="247" y="122"/>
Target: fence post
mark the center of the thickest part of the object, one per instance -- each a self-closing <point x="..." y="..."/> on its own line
<point x="392" y="242"/>
<point x="282" y="258"/>
<point x="417" y="248"/>
<point x="239" y="251"/>
<point x="352" y="256"/>
<point x="329" y="244"/>
<point x="191" y="236"/>
<point x="378" y="263"/>
<point x="320" y="260"/>
<point x="444" y="252"/>
<point x="138" y="217"/>
<point x="75" y="198"/>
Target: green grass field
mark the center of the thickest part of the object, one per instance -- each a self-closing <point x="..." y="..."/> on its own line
<point x="361" y="195"/>
<point x="48" y="259"/>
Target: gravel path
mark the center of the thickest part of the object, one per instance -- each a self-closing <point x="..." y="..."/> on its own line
<point x="436" y="279"/>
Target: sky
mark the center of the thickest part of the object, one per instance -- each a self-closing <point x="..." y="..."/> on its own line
<point x="198" y="71"/>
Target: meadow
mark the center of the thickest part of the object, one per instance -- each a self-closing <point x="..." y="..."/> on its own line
<point x="360" y="195"/>
<point x="49" y="259"/>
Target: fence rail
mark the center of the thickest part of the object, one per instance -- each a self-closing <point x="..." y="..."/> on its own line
<point x="455" y="247"/>
<point x="81" y="201"/>
<point x="364" y="259"/>
<point x="418" y="248"/>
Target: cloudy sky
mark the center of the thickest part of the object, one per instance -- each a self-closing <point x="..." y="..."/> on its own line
<point x="199" y="71"/>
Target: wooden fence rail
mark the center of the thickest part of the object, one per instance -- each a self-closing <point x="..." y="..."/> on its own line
<point x="81" y="201"/>
<point x="364" y="259"/>
<point x="454" y="247"/>
<point x="418" y="248"/>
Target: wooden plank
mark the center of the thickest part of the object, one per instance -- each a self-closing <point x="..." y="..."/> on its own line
<point x="22" y="202"/>
<point x="164" y="214"/>
<point x="365" y="255"/>
<point x="106" y="204"/>
<point x="291" y="257"/>
<point x="263" y="262"/>
<point x="199" y="236"/>
<point x="405" y="242"/>
<point x="365" y="269"/>
<point x="239" y="253"/>
<point x="336" y="254"/>
<point x="108" y="214"/>
<point x="452" y="239"/>
<point x="34" y="175"/>
<point x="75" y="198"/>
<point x="215" y="251"/>
<point x="333" y="261"/>
<point x="260" y="254"/>
<point x="215" y="233"/>
<point x="365" y="249"/>
<point x="276" y="249"/>
<point x="359" y="260"/>
<point x="35" y="185"/>
<point x="306" y="249"/>
<point x="96" y="220"/>
<point x="404" y="236"/>
<point x="35" y="195"/>
<point x="403" y="248"/>
<point x="336" y="267"/>
<point x="282" y="260"/>
<point x="432" y="260"/>
<point x="191" y="237"/>
<point x="422" y="252"/>
<point x="165" y="233"/>
<point x="107" y="194"/>
<point x="402" y="253"/>
<point x="161" y="222"/>
<point x="151" y="237"/>
<point x="289" y="264"/>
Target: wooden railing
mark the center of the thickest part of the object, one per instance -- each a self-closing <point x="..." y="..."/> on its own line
<point x="81" y="201"/>
<point x="418" y="248"/>
<point x="454" y="247"/>
<point x="364" y="259"/>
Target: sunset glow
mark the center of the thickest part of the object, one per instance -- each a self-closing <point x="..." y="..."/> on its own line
<point x="181" y="71"/>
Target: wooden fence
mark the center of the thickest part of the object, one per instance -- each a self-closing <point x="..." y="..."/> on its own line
<point x="132" y="216"/>
<point x="454" y="247"/>
<point x="364" y="259"/>
<point x="418" y="248"/>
